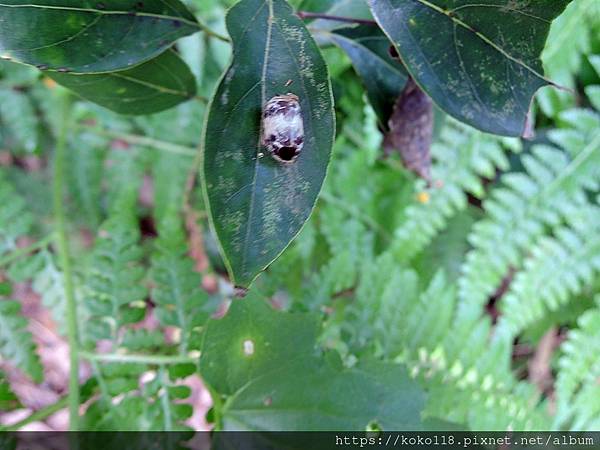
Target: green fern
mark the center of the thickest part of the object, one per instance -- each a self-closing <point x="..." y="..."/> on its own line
<point x="571" y="257"/>
<point x="467" y="373"/>
<point x="8" y="399"/>
<point x="15" y="220"/>
<point x="577" y="388"/>
<point x="462" y="157"/>
<point x="570" y="40"/>
<point x="87" y="156"/>
<point x="528" y="205"/>
<point x="177" y="287"/>
<point x="18" y="118"/>
<point x="16" y="343"/>
<point x="169" y="173"/>
<point x="138" y="397"/>
<point x="113" y="286"/>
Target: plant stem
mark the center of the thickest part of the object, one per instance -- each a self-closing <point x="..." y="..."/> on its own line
<point x="135" y="139"/>
<point x="62" y="244"/>
<point x="38" y="415"/>
<point x="20" y="252"/>
<point x="165" y="401"/>
<point x="311" y="15"/>
<point x="138" y="359"/>
<point x="210" y="32"/>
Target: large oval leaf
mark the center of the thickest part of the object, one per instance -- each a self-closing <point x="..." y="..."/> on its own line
<point x="246" y="358"/>
<point x="383" y="76"/>
<point x="257" y="204"/>
<point x="85" y="36"/>
<point x="479" y="61"/>
<point x="153" y="86"/>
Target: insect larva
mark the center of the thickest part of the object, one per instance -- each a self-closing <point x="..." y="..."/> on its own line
<point x="283" y="128"/>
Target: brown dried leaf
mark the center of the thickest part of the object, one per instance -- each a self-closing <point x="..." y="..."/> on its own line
<point x="411" y="130"/>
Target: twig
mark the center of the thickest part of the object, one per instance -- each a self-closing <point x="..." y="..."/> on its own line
<point x="38" y="415"/>
<point x="137" y="359"/>
<point x="312" y="15"/>
<point x="135" y="139"/>
<point x="20" y="252"/>
<point x="197" y="250"/>
<point x="540" y="372"/>
<point x="210" y="32"/>
<point x="62" y="244"/>
<point x="165" y="401"/>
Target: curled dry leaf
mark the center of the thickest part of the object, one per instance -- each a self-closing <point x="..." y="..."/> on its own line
<point x="411" y="130"/>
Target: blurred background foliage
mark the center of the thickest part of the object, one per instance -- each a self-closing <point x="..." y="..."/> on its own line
<point x="485" y="284"/>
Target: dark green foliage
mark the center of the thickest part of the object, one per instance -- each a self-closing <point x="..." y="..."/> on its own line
<point x="247" y="357"/>
<point x="16" y="343"/>
<point x="113" y="292"/>
<point x="177" y="293"/>
<point x="422" y="303"/>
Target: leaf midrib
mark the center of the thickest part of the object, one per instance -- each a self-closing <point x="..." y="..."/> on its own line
<point x="484" y="38"/>
<point x="106" y="12"/>
<point x="270" y="24"/>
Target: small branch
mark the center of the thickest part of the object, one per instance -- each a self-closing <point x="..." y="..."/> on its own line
<point x="195" y="237"/>
<point x="540" y="370"/>
<point x="65" y="261"/>
<point x="311" y="15"/>
<point x="135" y="139"/>
<point x="20" y="252"/>
<point x="165" y="401"/>
<point x="38" y="415"/>
<point x="210" y="32"/>
<point x="118" y="358"/>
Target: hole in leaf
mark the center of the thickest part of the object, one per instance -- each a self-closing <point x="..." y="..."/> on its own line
<point x="248" y="347"/>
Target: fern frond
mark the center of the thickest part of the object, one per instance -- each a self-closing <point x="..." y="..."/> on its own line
<point x="8" y="399"/>
<point x="528" y="205"/>
<point x="113" y="287"/>
<point x="86" y="169"/>
<point x="18" y="117"/>
<point x="15" y="220"/>
<point x="124" y="177"/>
<point x="177" y="291"/>
<point x="49" y="284"/>
<point x="461" y="158"/>
<point x="577" y="388"/>
<point x="467" y="373"/>
<point x="570" y="39"/>
<point x="136" y="397"/>
<point x="169" y="172"/>
<point x="16" y="343"/>
<point x="558" y="269"/>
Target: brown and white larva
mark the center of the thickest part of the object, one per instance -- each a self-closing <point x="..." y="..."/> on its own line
<point x="283" y="128"/>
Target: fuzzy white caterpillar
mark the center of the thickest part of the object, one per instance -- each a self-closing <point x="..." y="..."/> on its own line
<point x="283" y="128"/>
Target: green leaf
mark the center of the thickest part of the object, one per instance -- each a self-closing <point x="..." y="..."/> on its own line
<point x="384" y="77"/>
<point x="153" y="86"/>
<point x="16" y="343"/>
<point x="355" y="9"/>
<point x="479" y="62"/>
<point x="85" y="36"/>
<point x="259" y="357"/>
<point x="257" y="204"/>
